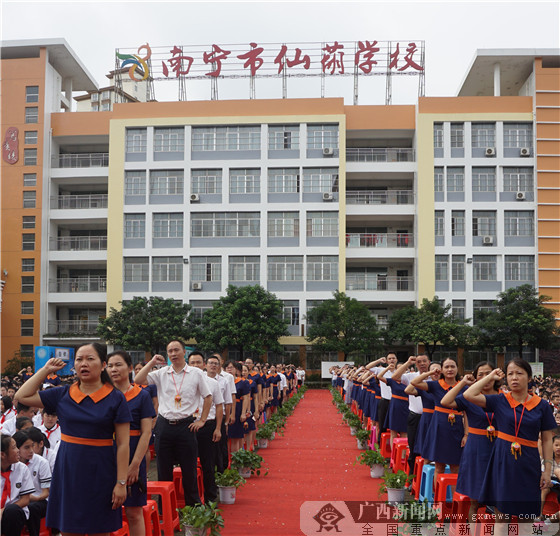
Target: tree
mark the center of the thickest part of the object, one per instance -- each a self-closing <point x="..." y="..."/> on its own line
<point x="247" y="318"/>
<point x="147" y="324"/>
<point x="519" y="319"/>
<point x="343" y="324"/>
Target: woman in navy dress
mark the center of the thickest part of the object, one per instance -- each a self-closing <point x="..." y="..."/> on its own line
<point x="142" y="412"/>
<point x="514" y="480"/>
<point x="236" y="429"/>
<point x="89" y="478"/>
<point x="397" y="416"/>
<point x="250" y="431"/>
<point x="274" y="381"/>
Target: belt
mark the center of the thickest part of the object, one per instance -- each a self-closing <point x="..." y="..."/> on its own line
<point x="377" y="396"/>
<point x="400" y="397"/>
<point x="135" y="433"/>
<point x="173" y="422"/>
<point x="447" y="410"/>
<point x="520" y="440"/>
<point x="427" y="410"/>
<point x="87" y="441"/>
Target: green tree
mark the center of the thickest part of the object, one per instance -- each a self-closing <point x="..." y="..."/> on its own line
<point x="520" y="319"/>
<point x="16" y="363"/>
<point x="343" y="324"/>
<point x="147" y="324"/>
<point x="247" y="318"/>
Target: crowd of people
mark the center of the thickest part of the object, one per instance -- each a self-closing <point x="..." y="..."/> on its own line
<point x="498" y="430"/>
<point x="70" y="447"/>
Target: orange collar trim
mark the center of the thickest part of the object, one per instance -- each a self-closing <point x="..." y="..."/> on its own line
<point x="133" y="392"/>
<point x="445" y="386"/>
<point x="533" y="402"/>
<point x="77" y="396"/>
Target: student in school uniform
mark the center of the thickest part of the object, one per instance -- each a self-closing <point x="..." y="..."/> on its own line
<point x="23" y="410"/>
<point x="51" y="428"/>
<point x="8" y="410"/>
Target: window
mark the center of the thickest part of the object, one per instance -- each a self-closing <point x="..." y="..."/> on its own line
<point x="291" y="313"/>
<point x="206" y="181"/>
<point x="31" y="137"/>
<point x="438" y="179"/>
<point x="135" y="183"/>
<point x="283" y="180"/>
<point x="484" y="268"/>
<point x="134" y="225"/>
<point x="518" y="179"/>
<point x="30" y="179"/>
<point x="27" y="284"/>
<point x="483" y="223"/>
<point x="519" y="223"/>
<point x="442" y="272"/>
<point x="30" y="157"/>
<point x="198" y="309"/>
<point x="234" y="138"/>
<point x="168" y="225"/>
<point x="482" y="306"/>
<point x="26" y="350"/>
<point x="322" y="224"/>
<point x="28" y="241"/>
<point x="167" y="269"/>
<point x="438" y="135"/>
<point x="32" y="94"/>
<point x="166" y="182"/>
<point x="94" y="97"/>
<point x="27" y="265"/>
<point x="457" y="267"/>
<point x="483" y="135"/>
<point x="31" y="115"/>
<point x="483" y="179"/>
<point x="94" y="107"/>
<point x="457" y="135"/>
<point x="283" y="224"/>
<point x="244" y="269"/>
<point x="321" y="136"/>
<point x="136" y="269"/>
<point x="458" y="308"/>
<point x="245" y="181"/>
<point x="457" y="223"/>
<point x="105" y="107"/>
<point x="105" y="95"/>
<point x="285" y="268"/>
<point x="520" y="267"/>
<point x="320" y="180"/>
<point x="518" y="135"/>
<point x="136" y="140"/>
<point x="225" y="224"/>
<point x="28" y="222"/>
<point x="206" y="269"/>
<point x="26" y="327"/>
<point x="322" y="268"/>
<point x="455" y="179"/>
<point x="439" y="223"/>
<point x="169" y="140"/>
<point x="27" y="307"/>
<point x="283" y="137"/>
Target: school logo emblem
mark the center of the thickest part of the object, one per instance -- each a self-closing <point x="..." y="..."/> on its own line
<point x="328" y="517"/>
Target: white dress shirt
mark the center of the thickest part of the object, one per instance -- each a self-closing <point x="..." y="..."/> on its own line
<point x="414" y="402"/>
<point x="21" y="483"/>
<point x="40" y="473"/>
<point x="217" y="398"/>
<point x="385" y="389"/>
<point x="283" y="381"/>
<point x="53" y="435"/>
<point x="231" y="380"/>
<point x="225" y="389"/>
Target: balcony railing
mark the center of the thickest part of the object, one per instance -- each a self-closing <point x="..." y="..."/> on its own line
<point x="81" y="160"/>
<point x="379" y="240"/>
<point x="74" y="327"/>
<point x="376" y="282"/>
<point x="79" y="284"/>
<point x="371" y="154"/>
<point x="386" y="197"/>
<point x="64" y="202"/>
<point x="79" y="243"/>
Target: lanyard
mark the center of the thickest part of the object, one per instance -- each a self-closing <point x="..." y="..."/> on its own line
<point x="178" y="396"/>
<point x="515" y="446"/>
<point x="490" y="430"/>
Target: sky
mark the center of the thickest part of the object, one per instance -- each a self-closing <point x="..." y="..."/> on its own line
<point x="452" y="32"/>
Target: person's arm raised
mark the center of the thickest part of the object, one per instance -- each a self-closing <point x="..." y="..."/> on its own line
<point x="449" y="399"/>
<point x="420" y="381"/>
<point x="403" y="368"/>
<point x="381" y="375"/>
<point x="142" y="377"/>
<point x="28" y="393"/>
<point x="474" y="392"/>
<point x="376" y="362"/>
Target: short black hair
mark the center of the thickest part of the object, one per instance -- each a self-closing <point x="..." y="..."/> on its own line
<point x="21" y="421"/>
<point x="522" y="364"/>
<point x="22" y="407"/>
<point x="20" y="438"/>
<point x="197" y="352"/>
<point x="37" y="436"/>
<point x="5" y="442"/>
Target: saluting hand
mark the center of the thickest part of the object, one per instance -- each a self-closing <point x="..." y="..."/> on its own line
<point x="498" y="374"/>
<point x="54" y="365"/>
<point x="469" y="379"/>
<point x="158" y="360"/>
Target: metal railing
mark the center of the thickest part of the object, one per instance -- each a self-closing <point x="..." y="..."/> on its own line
<point x="81" y="327"/>
<point x="79" y="201"/>
<point x="377" y="154"/>
<point x="79" y="284"/>
<point x="379" y="240"/>
<point x="79" y="243"/>
<point x="80" y="160"/>
<point x="375" y="282"/>
<point x="374" y="197"/>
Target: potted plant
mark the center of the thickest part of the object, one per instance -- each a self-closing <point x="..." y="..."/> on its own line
<point x="197" y="520"/>
<point x="394" y="484"/>
<point x="247" y="463"/>
<point x="227" y="483"/>
<point x="354" y="423"/>
<point x="374" y="460"/>
<point x="264" y="435"/>
<point x="362" y="437"/>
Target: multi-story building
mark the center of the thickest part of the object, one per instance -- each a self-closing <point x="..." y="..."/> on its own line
<point x="456" y="197"/>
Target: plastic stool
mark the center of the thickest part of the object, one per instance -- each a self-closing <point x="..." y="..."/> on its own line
<point x="169" y="518"/>
<point x="178" y="483"/>
<point x="443" y="495"/>
<point x="151" y="518"/>
<point x="427" y="483"/>
<point x="385" y="444"/>
<point x="418" y="465"/>
<point x="551" y="504"/>
<point x="43" y="530"/>
<point x="200" y="481"/>
<point x="124" y="531"/>
<point x="373" y="438"/>
<point x="401" y="459"/>
<point x="397" y="442"/>
<point x="459" y="512"/>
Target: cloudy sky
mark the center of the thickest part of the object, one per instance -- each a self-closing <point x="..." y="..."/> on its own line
<point x="452" y="32"/>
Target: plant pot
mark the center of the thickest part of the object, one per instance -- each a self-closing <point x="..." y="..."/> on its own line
<point x="395" y="495"/>
<point x="273" y="436"/>
<point x="376" y="470"/>
<point x="192" y="531"/>
<point x="227" y="494"/>
<point x="352" y="431"/>
<point x="362" y="445"/>
<point x="245" y="472"/>
<point x="262" y="443"/>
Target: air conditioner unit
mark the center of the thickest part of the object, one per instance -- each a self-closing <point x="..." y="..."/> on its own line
<point x="520" y="196"/>
<point x="327" y="196"/>
<point x="195" y="198"/>
<point x="487" y="240"/>
<point x="328" y="151"/>
<point x="490" y="151"/>
<point x="197" y="285"/>
<point x="525" y="151"/>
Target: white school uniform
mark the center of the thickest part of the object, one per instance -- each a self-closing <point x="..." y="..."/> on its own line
<point x="40" y="473"/>
<point x="21" y="484"/>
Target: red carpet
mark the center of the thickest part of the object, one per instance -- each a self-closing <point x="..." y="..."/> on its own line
<point x="313" y="461"/>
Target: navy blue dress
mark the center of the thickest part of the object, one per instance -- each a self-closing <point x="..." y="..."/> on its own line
<point x="235" y="430"/>
<point x="251" y="424"/>
<point x="422" y="435"/>
<point x="397" y="416"/>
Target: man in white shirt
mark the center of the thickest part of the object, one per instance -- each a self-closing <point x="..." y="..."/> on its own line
<point x="223" y="457"/>
<point x="283" y="387"/>
<point x="391" y="359"/>
<point x="300" y="374"/>
<point x="179" y="388"/>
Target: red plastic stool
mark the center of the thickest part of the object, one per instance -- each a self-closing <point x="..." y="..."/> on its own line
<point x="397" y="442"/>
<point x="178" y="483"/>
<point x="385" y="444"/>
<point x="124" y="531"/>
<point x="551" y="504"/>
<point x="443" y="481"/>
<point x="43" y="530"/>
<point x="401" y="459"/>
<point x="151" y="519"/>
<point x="200" y="481"/>
<point x="169" y="519"/>
<point x="418" y="465"/>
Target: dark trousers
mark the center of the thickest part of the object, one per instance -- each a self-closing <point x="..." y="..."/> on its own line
<point x="222" y="456"/>
<point x="411" y="433"/>
<point x="207" y="451"/>
<point x="382" y="411"/>
<point x="175" y="443"/>
<point x="13" y="520"/>
<point x="37" y="511"/>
